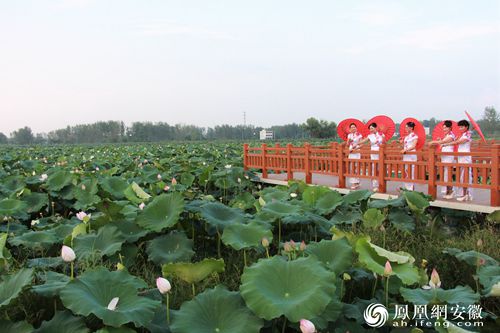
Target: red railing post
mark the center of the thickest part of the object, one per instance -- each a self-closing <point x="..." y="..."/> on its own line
<point x="382" y="185"/>
<point x="277" y="159"/>
<point x="289" y="175"/>
<point x="431" y="167"/>
<point x="495" y="192"/>
<point x="307" y="163"/>
<point x="340" y="154"/>
<point x="245" y="156"/>
<point x="264" y="160"/>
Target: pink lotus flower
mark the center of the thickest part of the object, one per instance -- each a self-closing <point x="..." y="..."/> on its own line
<point x="287" y="247"/>
<point x="388" y="268"/>
<point x="67" y="254"/>
<point x="158" y="177"/>
<point x="435" y="281"/>
<point x="82" y="216"/>
<point x="302" y="246"/>
<point x="306" y="326"/>
<point x="142" y="205"/>
<point x="166" y="188"/>
<point x="174" y="181"/>
<point x="163" y="285"/>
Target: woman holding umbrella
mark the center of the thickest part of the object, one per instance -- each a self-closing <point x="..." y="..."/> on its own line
<point x="376" y="139"/>
<point x="353" y="140"/>
<point x="409" y="149"/>
<point x="448" y="138"/>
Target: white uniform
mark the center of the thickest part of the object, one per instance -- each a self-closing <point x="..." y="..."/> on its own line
<point x="447" y="158"/>
<point x="354" y="139"/>
<point x="465" y="148"/>
<point x="375" y="141"/>
<point x="410" y="141"/>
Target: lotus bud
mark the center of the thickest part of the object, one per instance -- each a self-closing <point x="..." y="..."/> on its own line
<point x="346" y="277"/>
<point x="83" y="187"/>
<point x="481" y="261"/>
<point x="142" y="205"/>
<point x="44" y="177"/>
<point x="293" y="245"/>
<point x="228" y="166"/>
<point x="287" y="247"/>
<point x="293" y="195"/>
<point x="382" y="228"/>
<point x="82" y="216"/>
<point x="306" y="326"/>
<point x="302" y="246"/>
<point x="239" y="180"/>
<point x="166" y="188"/>
<point x="388" y="268"/>
<point x="265" y="242"/>
<point x="423" y="264"/>
<point x="67" y="254"/>
<point x="96" y="168"/>
<point x="33" y="173"/>
<point x="174" y="181"/>
<point x="435" y="281"/>
<point x="479" y="243"/>
<point x="163" y="285"/>
<point x="158" y="177"/>
<point x="113" y="303"/>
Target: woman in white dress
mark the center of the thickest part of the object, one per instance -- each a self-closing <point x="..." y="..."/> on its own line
<point x="446" y="147"/>
<point x="464" y="193"/>
<point x="353" y="139"/>
<point x="409" y="150"/>
<point x="376" y="139"/>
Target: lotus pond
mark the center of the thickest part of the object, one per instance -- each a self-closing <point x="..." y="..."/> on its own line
<point x="238" y="257"/>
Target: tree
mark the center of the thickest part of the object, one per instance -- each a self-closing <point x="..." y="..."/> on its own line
<point x="490" y="122"/>
<point x="320" y="128"/>
<point x="3" y="139"/>
<point x="23" y="136"/>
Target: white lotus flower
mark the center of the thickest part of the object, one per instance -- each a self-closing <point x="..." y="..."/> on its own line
<point x="142" y="205"/>
<point x="82" y="216"/>
<point x="67" y="254"/>
<point x="163" y="285"/>
<point x="293" y="195"/>
<point x="44" y="177"/>
<point x="113" y="303"/>
<point x="228" y="166"/>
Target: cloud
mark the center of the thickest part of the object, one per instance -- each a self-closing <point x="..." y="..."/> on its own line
<point x="373" y="15"/>
<point x="171" y="28"/>
<point x="74" y="3"/>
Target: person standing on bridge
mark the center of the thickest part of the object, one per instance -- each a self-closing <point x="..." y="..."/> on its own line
<point x="376" y="139"/>
<point x="464" y="142"/>
<point x="353" y="139"/>
<point x="409" y="150"/>
<point x="446" y="147"/>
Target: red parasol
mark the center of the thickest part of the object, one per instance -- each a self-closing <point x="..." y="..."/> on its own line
<point x="419" y="131"/>
<point x="476" y="126"/>
<point x="384" y="124"/>
<point x="438" y="133"/>
<point x="343" y="128"/>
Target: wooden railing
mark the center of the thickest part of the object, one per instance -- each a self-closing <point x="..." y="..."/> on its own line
<point x="428" y="169"/>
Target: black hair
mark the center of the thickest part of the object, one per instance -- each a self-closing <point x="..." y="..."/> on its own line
<point x="411" y="124"/>
<point x="374" y="125"/>
<point x="352" y="124"/>
<point x="464" y="122"/>
<point x="448" y="123"/>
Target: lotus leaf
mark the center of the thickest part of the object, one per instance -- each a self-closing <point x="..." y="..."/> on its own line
<point x="169" y="248"/>
<point x="54" y="282"/>
<point x="346" y="217"/>
<point x="35" y="239"/>
<point x="242" y="236"/>
<point x="136" y="194"/>
<point x="280" y="209"/>
<point x="194" y="272"/>
<point x="106" y="242"/>
<point x="162" y="212"/>
<point x="374" y="258"/>
<point x="328" y="202"/>
<point x="313" y="193"/>
<point x="50" y="262"/>
<point x="35" y="201"/>
<point x="472" y="258"/>
<point x="489" y="276"/>
<point x="298" y="289"/>
<point x="130" y="231"/>
<point x="356" y="196"/>
<point x="12" y="285"/>
<point x="401" y="220"/>
<point x="85" y="194"/>
<point x="187" y="179"/>
<point x="116" y="186"/>
<point x="373" y="218"/>
<point x="458" y="295"/>
<point x="17" y="327"/>
<point x="220" y="216"/>
<point x="215" y="310"/>
<point x="337" y="255"/>
<point x="63" y="322"/>
<point x="12" y="184"/>
<point x="93" y="291"/>
<point x="12" y="207"/>
<point x="274" y="194"/>
<point x="416" y="201"/>
<point x="58" y="180"/>
<point x="398" y="202"/>
<point x="115" y="330"/>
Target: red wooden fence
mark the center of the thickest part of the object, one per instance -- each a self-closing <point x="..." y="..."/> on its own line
<point x="333" y="160"/>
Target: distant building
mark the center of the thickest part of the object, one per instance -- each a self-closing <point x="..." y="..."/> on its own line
<point x="266" y="135"/>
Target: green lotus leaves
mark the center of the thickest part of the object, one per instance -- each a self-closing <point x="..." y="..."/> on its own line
<point x="313" y="193"/>
<point x="346" y="217"/>
<point x="337" y="255"/>
<point x="243" y="236"/>
<point x="63" y="322"/>
<point x="12" y="184"/>
<point x="397" y="202"/>
<point x="169" y="248"/>
<point x="489" y="277"/>
<point x="106" y="242"/>
<point x="215" y="310"/>
<point x="243" y="201"/>
<point x="373" y="218"/>
<point x="85" y="194"/>
<point x="130" y="231"/>
<point x="472" y="258"/>
<point x="356" y="196"/>
<point x="274" y="194"/>
<point x="416" y="201"/>
<point x="136" y="194"/>
<point x="35" y="239"/>
<point x="280" y="209"/>
<point x="162" y="212"/>
<point x="116" y="186"/>
<point x="328" y="202"/>
<point x="12" y="285"/>
<point x="401" y="220"/>
<point x="5" y="255"/>
<point x="458" y="295"/>
<point x="12" y="207"/>
<point x="58" y="180"/>
<point x="298" y="289"/>
<point x="17" y="327"/>
<point x="116" y="330"/>
<point x="54" y="282"/>
<point x="93" y="291"/>
<point x="50" y="262"/>
<point x="219" y="215"/>
<point x="187" y="179"/>
<point x="374" y="258"/>
<point x="35" y="201"/>
<point x="194" y="272"/>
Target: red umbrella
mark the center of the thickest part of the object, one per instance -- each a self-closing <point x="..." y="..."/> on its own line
<point x="438" y="133"/>
<point x="419" y="130"/>
<point x="343" y="127"/>
<point x="384" y="124"/>
<point x="476" y="126"/>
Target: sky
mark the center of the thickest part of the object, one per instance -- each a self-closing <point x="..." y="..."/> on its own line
<point x="67" y="62"/>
